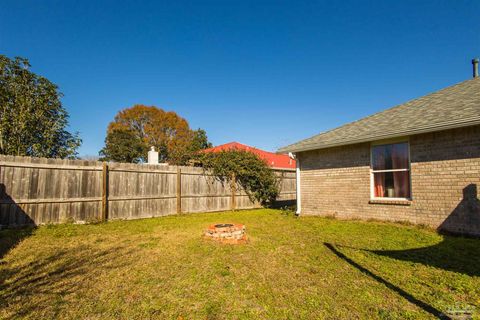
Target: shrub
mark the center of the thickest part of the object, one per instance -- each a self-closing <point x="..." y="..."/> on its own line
<point x="252" y="173"/>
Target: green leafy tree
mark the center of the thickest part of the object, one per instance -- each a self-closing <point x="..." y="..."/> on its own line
<point x="200" y="140"/>
<point x="252" y="173"/>
<point x="33" y="121"/>
<point x="122" y="145"/>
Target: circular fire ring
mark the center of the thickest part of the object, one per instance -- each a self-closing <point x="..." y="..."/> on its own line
<point x="231" y="233"/>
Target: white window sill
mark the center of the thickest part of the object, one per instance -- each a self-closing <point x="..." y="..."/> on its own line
<point x="391" y="201"/>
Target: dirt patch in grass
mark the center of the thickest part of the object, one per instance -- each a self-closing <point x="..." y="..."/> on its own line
<point x="291" y="268"/>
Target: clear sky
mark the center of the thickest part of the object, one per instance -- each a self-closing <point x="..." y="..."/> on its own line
<point x="264" y="73"/>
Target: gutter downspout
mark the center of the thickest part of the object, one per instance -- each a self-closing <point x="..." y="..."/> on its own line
<point x="297" y="176"/>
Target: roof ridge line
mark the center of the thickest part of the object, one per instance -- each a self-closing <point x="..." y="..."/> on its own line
<point x="382" y="111"/>
<point x="461" y="94"/>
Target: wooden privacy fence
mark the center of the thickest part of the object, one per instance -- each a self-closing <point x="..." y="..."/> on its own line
<point x="40" y="190"/>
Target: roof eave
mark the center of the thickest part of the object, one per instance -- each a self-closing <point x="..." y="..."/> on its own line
<point x="439" y="127"/>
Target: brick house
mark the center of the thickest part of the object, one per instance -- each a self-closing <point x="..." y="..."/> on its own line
<point x="417" y="162"/>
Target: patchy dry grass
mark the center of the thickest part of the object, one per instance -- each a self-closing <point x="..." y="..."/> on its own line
<point x="292" y="268"/>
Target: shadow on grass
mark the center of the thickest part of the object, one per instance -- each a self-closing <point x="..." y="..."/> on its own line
<point x="12" y="215"/>
<point x="33" y="287"/>
<point x="10" y="238"/>
<point x="457" y="254"/>
<point x="426" y="307"/>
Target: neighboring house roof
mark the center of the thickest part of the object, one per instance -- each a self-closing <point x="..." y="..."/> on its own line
<point x="273" y="160"/>
<point x="453" y="107"/>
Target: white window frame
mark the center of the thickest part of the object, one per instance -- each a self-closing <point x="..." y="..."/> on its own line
<point x="372" y="181"/>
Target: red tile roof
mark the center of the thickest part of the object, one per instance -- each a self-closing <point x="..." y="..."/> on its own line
<point x="273" y="160"/>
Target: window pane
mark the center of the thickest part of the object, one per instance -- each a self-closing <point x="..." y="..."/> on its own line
<point x="390" y="156"/>
<point x="379" y="184"/>
<point x="379" y="156"/>
<point x="399" y="156"/>
<point x="392" y="184"/>
<point x="401" y="184"/>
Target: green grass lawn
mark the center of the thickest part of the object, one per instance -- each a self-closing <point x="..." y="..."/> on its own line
<point x="291" y="268"/>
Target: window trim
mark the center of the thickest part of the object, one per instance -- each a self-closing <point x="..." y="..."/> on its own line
<point x="409" y="170"/>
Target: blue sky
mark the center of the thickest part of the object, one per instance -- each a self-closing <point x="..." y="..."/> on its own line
<point x="264" y="73"/>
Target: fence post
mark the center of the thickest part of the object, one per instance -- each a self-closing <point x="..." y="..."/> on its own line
<point x="179" y="190"/>
<point x="282" y="181"/>
<point x="105" y="192"/>
<point x="233" y="187"/>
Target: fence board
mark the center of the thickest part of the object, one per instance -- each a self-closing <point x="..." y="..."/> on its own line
<point x="39" y="191"/>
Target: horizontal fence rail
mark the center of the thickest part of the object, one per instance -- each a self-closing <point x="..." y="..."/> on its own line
<point x="40" y="191"/>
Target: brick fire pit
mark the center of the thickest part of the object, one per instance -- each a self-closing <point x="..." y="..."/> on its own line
<point x="231" y="233"/>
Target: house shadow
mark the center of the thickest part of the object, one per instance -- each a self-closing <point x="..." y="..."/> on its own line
<point x="454" y="253"/>
<point x="406" y="295"/>
<point x="457" y="254"/>
<point x="18" y="223"/>
<point x="465" y="218"/>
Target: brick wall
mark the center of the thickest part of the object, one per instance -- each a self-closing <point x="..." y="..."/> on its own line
<point x="445" y="173"/>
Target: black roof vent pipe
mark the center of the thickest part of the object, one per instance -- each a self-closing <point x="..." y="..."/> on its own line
<point x="475" y="67"/>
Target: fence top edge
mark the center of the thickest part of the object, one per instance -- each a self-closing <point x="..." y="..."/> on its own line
<point x="113" y="165"/>
<point x="48" y="161"/>
<point x="284" y="169"/>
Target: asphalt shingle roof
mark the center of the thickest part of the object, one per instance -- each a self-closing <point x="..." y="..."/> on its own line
<point x="452" y="107"/>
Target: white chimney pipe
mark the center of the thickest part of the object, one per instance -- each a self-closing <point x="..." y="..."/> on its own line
<point x="152" y="156"/>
